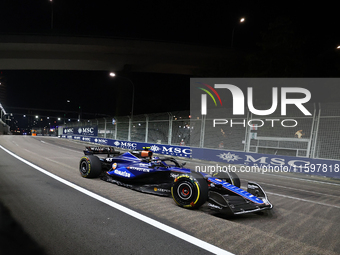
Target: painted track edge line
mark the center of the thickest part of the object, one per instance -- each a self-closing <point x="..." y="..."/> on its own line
<point x="170" y="230"/>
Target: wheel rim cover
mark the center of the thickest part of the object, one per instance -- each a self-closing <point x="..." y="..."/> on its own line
<point x="83" y="167"/>
<point x="184" y="191"/>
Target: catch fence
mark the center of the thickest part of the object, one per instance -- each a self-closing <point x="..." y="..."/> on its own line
<point x="314" y="136"/>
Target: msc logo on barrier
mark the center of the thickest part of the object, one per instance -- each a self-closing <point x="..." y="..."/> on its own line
<point x="170" y="150"/>
<point x="229" y="157"/>
<point x="101" y="141"/>
<point x="86" y="139"/>
<point x="263" y="160"/>
<point x="85" y="131"/>
<point x="125" y="145"/>
<point x="68" y="131"/>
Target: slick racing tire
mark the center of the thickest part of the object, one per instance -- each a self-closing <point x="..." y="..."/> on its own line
<point x="230" y="177"/>
<point x="90" y="166"/>
<point x="190" y="191"/>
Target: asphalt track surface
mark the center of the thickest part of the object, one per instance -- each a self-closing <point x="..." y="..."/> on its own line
<point x="43" y="215"/>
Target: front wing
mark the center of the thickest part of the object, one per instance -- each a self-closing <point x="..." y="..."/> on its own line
<point x="229" y="199"/>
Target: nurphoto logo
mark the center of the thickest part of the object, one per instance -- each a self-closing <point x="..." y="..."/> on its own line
<point x="294" y="96"/>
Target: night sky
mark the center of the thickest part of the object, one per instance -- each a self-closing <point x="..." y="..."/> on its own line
<point x="278" y="39"/>
<point x="96" y="92"/>
<point x="202" y="22"/>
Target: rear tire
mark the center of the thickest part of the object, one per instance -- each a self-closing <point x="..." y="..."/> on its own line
<point x="190" y="191"/>
<point x="90" y="166"/>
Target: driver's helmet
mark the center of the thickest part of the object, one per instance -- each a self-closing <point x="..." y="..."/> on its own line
<point x="156" y="162"/>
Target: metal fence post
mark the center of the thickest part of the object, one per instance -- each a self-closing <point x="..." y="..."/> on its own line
<point x="313" y="151"/>
<point x="202" y="131"/>
<point x="312" y="134"/>
<point x="130" y="127"/>
<point x="104" y="127"/>
<point x="249" y="136"/>
<point x="116" y="127"/>
<point x="146" y="127"/>
<point x="246" y="134"/>
<point x="170" y="129"/>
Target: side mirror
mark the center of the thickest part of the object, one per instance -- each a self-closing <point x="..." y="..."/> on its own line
<point x="183" y="164"/>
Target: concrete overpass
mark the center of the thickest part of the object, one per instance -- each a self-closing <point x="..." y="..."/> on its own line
<point x="38" y="52"/>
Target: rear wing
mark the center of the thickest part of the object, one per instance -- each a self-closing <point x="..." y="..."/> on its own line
<point x="145" y="153"/>
<point x="100" y="150"/>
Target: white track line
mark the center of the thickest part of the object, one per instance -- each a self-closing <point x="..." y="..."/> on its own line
<point x="172" y="231"/>
<point x="302" y="179"/>
<point x="304" y="200"/>
<point x="301" y="190"/>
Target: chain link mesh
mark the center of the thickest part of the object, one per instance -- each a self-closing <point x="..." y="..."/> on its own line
<point x="314" y="136"/>
<point x="328" y="135"/>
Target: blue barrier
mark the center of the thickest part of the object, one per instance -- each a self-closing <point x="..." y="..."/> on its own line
<point x="270" y="163"/>
<point x="249" y="161"/>
<point x="171" y="150"/>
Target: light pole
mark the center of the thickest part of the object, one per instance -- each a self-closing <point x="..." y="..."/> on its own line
<point x="2" y="111"/>
<point x="71" y="107"/>
<point x="133" y="99"/>
<point x="232" y="34"/>
<point x="51" y="14"/>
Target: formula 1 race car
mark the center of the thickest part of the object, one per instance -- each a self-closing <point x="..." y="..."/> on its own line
<point x="165" y="176"/>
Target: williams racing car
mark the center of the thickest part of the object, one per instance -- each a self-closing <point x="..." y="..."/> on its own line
<point x="165" y="176"/>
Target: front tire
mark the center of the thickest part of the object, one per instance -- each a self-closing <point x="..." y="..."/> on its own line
<point x="189" y="191"/>
<point x="90" y="166"/>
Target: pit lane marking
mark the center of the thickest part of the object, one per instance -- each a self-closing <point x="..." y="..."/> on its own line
<point x="15" y="144"/>
<point x="73" y="150"/>
<point x="307" y="191"/>
<point x="301" y="179"/>
<point x="170" y="230"/>
<point x="304" y="200"/>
